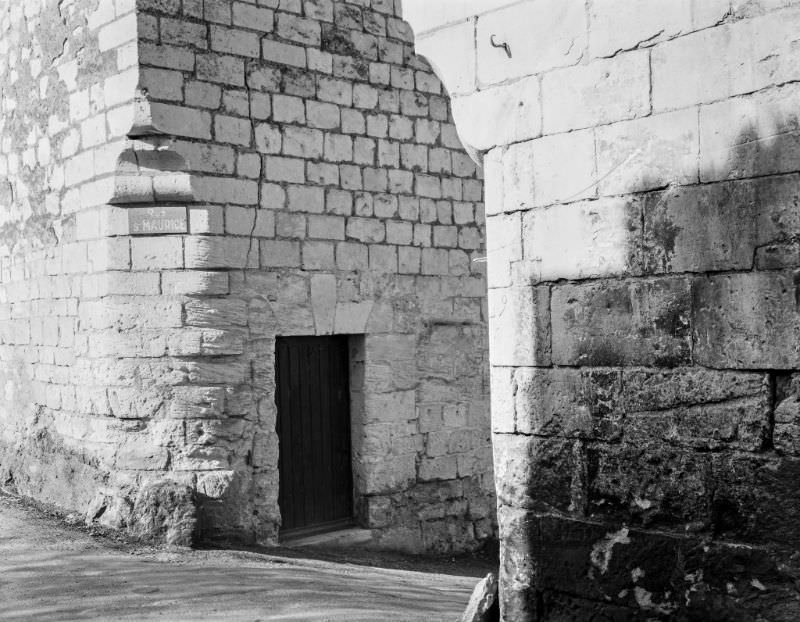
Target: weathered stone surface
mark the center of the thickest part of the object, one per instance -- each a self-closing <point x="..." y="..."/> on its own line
<point x="455" y="65"/>
<point x="540" y="37"/>
<point x="652" y="390"/>
<point x="517" y="564"/>
<point x="504" y="246"/>
<point x="566" y="402"/>
<point x="483" y="604"/>
<point x="595" y="94"/>
<point x="697" y="68"/>
<point x="756" y="499"/>
<point x="520" y="320"/>
<point x="632" y="573"/>
<point x="735" y="424"/>
<point x="548" y="170"/>
<point x="165" y="511"/>
<point x="652" y="152"/>
<point x="622" y="323"/>
<point x="539" y="474"/>
<point x="582" y="240"/>
<point x="673" y="242"/>
<point x="615" y="25"/>
<point x="747" y="321"/>
<point x="508" y="113"/>
<point x="750" y="136"/>
<point x="786" y="431"/>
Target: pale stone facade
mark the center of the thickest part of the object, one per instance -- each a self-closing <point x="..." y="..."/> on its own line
<point x="326" y="192"/>
<point x="641" y="161"/>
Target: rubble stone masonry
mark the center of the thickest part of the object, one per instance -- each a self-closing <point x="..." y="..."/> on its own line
<point x="312" y="183"/>
<point x="643" y="216"/>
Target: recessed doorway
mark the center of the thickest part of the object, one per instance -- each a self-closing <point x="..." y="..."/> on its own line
<point x="313" y="398"/>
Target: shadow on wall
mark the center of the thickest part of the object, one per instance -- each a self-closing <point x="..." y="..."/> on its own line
<point x="668" y="427"/>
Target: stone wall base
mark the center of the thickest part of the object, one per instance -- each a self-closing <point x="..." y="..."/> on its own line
<point x="42" y="468"/>
<point x="558" y="568"/>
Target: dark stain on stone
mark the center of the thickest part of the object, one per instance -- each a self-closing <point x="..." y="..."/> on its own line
<point x="674" y="320"/>
<point x="337" y="41"/>
<point x="602" y="353"/>
<point x="664" y="233"/>
<point x="796" y="278"/>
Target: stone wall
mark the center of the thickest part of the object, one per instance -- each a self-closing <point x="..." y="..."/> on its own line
<point x="641" y="162"/>
<point x="324" y="191"/>
<point x="67" y="86"/>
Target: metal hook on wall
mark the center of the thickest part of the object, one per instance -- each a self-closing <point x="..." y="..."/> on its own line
<point x="503" y="45"/>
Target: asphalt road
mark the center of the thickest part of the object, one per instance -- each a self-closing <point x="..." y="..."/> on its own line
<point x="51" y="571"/>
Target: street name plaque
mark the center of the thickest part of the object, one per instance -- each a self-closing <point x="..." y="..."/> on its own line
<point x="155" y="220"/>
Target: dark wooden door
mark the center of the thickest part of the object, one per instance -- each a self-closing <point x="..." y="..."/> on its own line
<point x="313" y="398"/>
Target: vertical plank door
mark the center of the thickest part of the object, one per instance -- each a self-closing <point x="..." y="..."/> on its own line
<point x="313" y="399"/>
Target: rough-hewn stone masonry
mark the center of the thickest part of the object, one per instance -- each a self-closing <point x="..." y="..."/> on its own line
<point x="182" y="181"/>
<point x="643" y="217"/>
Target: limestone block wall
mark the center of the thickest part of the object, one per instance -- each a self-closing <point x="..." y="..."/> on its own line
<point x="641" y="162"/>
<point x="67" y="87"/>
<point x="333" y="197"/>
<point x="324" y="191"/>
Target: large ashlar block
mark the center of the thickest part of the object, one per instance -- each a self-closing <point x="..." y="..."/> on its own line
<point x="741" y="424"/>
<point x="499" y="115"/>
<point x="698" y="408"/>
<point x="726" y="240"/>
<point x="743" y="221"/>
<point x="598" y="93"/>
<point x="610" y="323"/>
<point x="537" y="473"/>
<point x="552" y="169"/>
<point x="541" y="36"/>
<point x="616" y="25"/>
<point x="716" y="63"/>
<point x="653" y="481"/>
<point x="519" y="326"/>
<point x="503" y="246"/>
<point x="647" y="153"/>
<point x="569" y="403"/>
<point x="748" y="321"/>
<point x="589" y="239"/>
<point x="455" y="62"/>
<point x="646" y="390"/>
<point x="751" y="136"/>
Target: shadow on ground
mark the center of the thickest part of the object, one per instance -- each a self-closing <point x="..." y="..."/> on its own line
<point x="50" y="571"/>
<point x="477" y="564"/>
